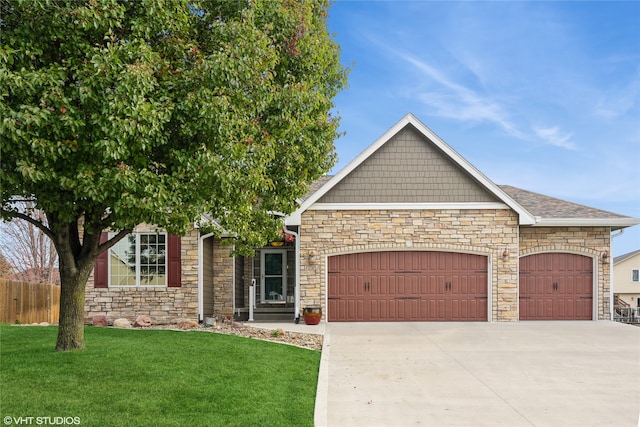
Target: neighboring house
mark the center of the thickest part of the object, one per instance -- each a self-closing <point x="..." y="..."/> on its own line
<point x="408" y="231"/>
<point x="626" y="279"/>
<point x="37" y="275"/>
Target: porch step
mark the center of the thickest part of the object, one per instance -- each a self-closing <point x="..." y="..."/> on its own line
<point x="272" y="317"/>
<point x="268" y="314"/>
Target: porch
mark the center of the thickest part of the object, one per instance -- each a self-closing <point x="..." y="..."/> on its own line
<point x="230" y="286"/>
<point x="267" y="314"/>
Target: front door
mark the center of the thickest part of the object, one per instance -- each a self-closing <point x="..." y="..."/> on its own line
<point x="273" y="277"/>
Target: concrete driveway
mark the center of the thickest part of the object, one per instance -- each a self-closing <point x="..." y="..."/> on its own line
<point x="479" y="374"/>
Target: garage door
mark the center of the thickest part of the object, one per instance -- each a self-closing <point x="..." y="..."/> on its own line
<point x="556" y="286"/>
<point x="407" y="286"/>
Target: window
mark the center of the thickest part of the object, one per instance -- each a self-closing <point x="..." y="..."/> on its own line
<point x="635" y="275"/>
<point x="139" y="260"/>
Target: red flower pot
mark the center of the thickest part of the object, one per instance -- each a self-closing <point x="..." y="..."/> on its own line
<point x="312" y="315"/>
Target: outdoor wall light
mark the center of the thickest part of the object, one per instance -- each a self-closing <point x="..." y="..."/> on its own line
<point x="312" y="255"/>
<point x="505" y="254"/>
<point x="605" y="257"/>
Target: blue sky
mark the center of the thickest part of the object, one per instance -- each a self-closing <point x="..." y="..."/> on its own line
<point x="540" y="95"/>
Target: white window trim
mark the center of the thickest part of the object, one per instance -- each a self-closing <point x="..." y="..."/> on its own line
<point x="137" y="273"/>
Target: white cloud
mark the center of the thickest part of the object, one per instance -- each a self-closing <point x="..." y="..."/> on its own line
<point x="541" y="95"/>
<point x="455" y="101"/>
<point x="555" y="137"/>
<point x="617" y="102"/>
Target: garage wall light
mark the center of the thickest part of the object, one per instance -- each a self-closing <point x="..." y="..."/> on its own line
<point x="605" y="257"/>
<point x="312" y="255"/>
<point x="505" y="254"/>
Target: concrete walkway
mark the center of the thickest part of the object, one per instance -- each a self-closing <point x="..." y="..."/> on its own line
<point x="479" y="374"/>
<point x="290" y="327"/>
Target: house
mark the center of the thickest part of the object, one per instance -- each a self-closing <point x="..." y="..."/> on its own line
<point x="37" y="275"/>
<point x="408" y="231"/>
<point x="626" y="280"/>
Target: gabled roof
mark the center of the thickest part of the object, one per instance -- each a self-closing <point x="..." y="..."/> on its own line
<point x="626" y="256"/>
<point x="550" y="211"/>
<point x="315" y="186"/>
<point x="532" y="208"/>
<point x="329" y="183"/>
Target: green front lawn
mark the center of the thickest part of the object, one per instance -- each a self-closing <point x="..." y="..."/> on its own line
<point x="156" y="378"/>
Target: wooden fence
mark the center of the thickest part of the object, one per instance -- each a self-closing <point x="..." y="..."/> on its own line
<point x="24" y="303"/>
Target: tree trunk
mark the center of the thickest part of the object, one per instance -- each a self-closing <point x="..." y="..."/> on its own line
<point x="76" y="263"/>
<point x="71" y="323"/>
<point x="76" y="259"/>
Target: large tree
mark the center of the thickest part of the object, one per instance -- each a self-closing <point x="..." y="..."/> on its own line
<point x="116" y="113"/>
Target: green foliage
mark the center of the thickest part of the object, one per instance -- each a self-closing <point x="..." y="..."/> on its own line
<point x="159" y="378"/>
<point x="116" y="113"/>
<point x="152" y="111"/>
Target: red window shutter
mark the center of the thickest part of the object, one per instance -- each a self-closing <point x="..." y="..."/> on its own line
<point x="101" y="269"/>
<point x="173" y="260"/>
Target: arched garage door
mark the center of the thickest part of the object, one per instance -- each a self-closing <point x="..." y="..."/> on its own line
<point x="556" y="286"/>
<point x="407" y="286"/>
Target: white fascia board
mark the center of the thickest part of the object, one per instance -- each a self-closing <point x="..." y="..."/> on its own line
<point x="294" y="219"/>
<point x="525" y="218"/>
<point x="405" y="206"/>
<point x="206" y="219"/>
<point x="355" y="163"/>
<point x="587" y="222"/>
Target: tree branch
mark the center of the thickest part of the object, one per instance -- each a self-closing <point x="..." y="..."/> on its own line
<point x="46" y="230"/>
<point x="115" y="239"/>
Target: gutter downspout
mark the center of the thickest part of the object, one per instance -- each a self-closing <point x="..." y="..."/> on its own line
<point x="613" y="236"/>
<point x="296" y="314"/>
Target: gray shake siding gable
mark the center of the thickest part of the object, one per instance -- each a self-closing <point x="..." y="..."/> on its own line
<point x="407" y="170"/>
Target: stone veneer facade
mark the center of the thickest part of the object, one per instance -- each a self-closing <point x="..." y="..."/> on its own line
<point x="223" y="281"/>
<point x="483" y="232"/>
<point x="161" y="303"/>
<point x="587" y="241"/>
<point x="327" y="233"/>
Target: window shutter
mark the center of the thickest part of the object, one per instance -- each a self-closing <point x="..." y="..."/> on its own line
<point x="101" y="269"/>
<point x="173" y="259"/>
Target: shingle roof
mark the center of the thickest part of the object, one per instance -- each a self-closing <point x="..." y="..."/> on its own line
<point x="548" y="210"/>
<point x="533" y="209"/>
<point x="621" y="258"/>
<point x="549" y="207"/>
<point x="315" y="186"/>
